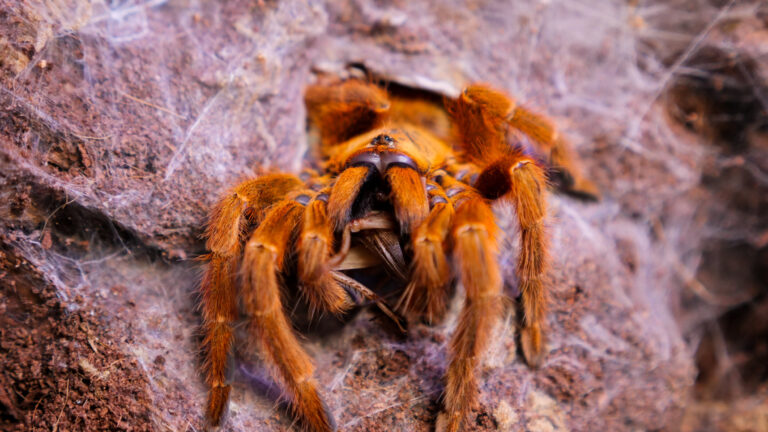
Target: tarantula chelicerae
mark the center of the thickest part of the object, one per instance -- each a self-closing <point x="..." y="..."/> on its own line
<point x="408" y="181"/>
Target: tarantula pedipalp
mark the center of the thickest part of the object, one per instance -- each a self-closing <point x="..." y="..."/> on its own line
<point x="382" y="171"/>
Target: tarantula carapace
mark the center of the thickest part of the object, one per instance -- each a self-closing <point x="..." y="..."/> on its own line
<point x="424" y="191"/>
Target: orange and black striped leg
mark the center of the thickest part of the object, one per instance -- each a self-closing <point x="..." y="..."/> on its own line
<point x="346" y="109"/>
<point x="218" y="287"/>
<point x="315" y="246"/>
<point x="474" y="253"/>
<point x="262" y="262"/>
<point x="519" y="179"/>
<point x="425" y="295"/>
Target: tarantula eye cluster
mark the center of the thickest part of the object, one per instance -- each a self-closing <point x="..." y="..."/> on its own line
<point x="390" y="180"/>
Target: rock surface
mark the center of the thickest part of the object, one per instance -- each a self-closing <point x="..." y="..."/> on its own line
<point x="122" y="124"/>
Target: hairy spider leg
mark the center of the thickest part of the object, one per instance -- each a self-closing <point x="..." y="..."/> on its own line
<point x="426" y="293"/>
<point x="225" y="227"/>
<point x="482" y="113"/>
<point x="219" y="312"/>
<point x="556" y="150"/>
<point x="473" y="236"/>
<point x="518" y="179"/>
<point x="262" y="262"/>
<point x="315" y="245"/>
<point x="479" y="115"/>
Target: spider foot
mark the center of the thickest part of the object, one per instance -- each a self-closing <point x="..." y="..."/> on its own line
<point x="532" y="345"/>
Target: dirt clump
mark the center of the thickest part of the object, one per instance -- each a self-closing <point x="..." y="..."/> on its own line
<point x="60" y="369"/>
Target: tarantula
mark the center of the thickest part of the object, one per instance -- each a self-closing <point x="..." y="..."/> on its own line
<point x="421" y="179"/>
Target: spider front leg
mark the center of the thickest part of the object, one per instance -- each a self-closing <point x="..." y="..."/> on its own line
<point x="473" y="235"/>
<point x="262" y="262"/>
<point x="218" y="291"/>
<point x="482" y="115"/>
<point x="517" y="178"/>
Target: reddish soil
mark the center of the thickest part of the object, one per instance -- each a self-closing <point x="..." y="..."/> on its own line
<point x="61" y="369"/>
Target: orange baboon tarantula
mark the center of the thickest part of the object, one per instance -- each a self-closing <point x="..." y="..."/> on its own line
<point x="425" y="193"/>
